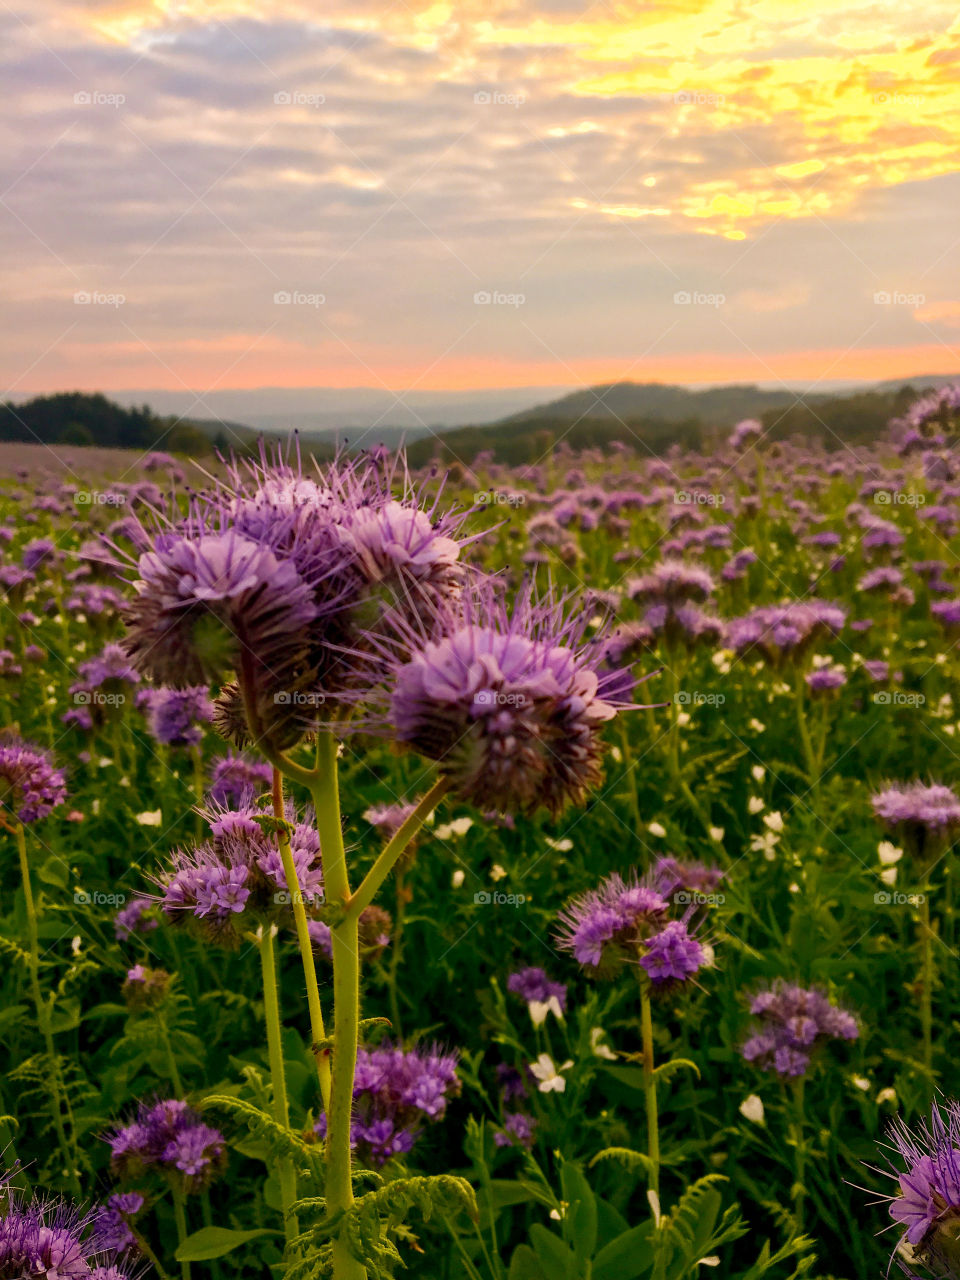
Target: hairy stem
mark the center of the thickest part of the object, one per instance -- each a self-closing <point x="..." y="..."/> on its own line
<point x="317" y="1031"/>
<point x="346" y="992"/>
<point x="271" y="1011"/>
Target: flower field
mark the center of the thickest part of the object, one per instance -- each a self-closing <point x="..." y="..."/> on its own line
<point x="539" y="873"/>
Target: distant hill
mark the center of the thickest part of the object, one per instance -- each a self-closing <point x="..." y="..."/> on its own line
<point x="635" y="401"/>
<point x="652" y="417"/>
<point x="76" y="418"/>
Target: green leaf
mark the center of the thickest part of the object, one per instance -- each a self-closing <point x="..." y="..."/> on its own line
<point x="668" y="1069"/>
<point x="214" y="1242"/>
<point x="580" y="1220"/>
<point x="505" y="1192"/>
<point x="524" y="1265"/>
<point x="556" y="1261"/>
<point x="627" y="1256"/>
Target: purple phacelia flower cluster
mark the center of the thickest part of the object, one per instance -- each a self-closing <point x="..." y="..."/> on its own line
<point x="53" y="1240"/>
<point x="793" y="1022"/>
<point x="785" y="632"/>
<point x="171" y="1139"/>
<point x="113" y="1218"/>
<point x="102" y="689"/>
<point x="923" y="817"/>
<point x="238" y="873"/>
<point x="395" y="1093"/>
<point x="234" y="776"/>
<point x="273" y="579"/>
<point x="176" y="716"/>
<point x="30" y="786"/>
<point x="541" y="993"/>
<point x="510" y="706"/>
<point x="626" y="921"/>
<point x="133" y="917"/>
<point x="926" y="1167"/>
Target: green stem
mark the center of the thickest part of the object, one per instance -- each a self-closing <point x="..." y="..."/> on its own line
<point x="147" y="1252"/>
<point x="396" y="950"/>
<point x="926" y="979"/>
<point x="393" y="849"/>
<point x="799" y="1188"/>
<point x="809" y="755"/>
<point x="650" y="1091"/>
<point x="317" y="1032"/>
<point x="199" y="786"/>
<point x="171" y="1059"/>
<point x="179" y="1214"/>
<point x="43" y="1018"/>
<point x="271" y="1012"/>
<point x="346" y="992"/>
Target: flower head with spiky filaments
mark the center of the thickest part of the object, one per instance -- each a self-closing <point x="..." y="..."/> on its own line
<point x="509" y="704"/>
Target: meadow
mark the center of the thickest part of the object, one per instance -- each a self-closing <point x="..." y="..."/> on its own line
<point x="529" y="873"/>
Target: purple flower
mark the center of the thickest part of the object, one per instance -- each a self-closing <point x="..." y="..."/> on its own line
<point x="518" y="1130"/>
<point x="749" y="429"/>
<point x="825" y="680"/>
<point x="130" y="919"/>
<point x="510" y="705"/>
<point x="923" y="817"/>
<point x="110" y="1224"/>
<point x="672" y="955"/>
<point x="612" y="924"/>
<point x="171" y="1138"/>
<point x="30" y="786"/>
<point x="53" y="1240"/>
<point x="671" y="582"/>
<point x="174" y="716"/>
<point x="219" y="603"/>
<point x="793" y="1022"/>
<point x="234" y="776"/>
<point x="535" y="987"/>
<point x="395" y="1093"/>
<point x="927" y="1201"/>
<point x="785" y="631"/>
<point x="239" y="870"/>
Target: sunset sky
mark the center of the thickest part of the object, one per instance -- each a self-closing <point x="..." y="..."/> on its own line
<point x="305" y="194"/>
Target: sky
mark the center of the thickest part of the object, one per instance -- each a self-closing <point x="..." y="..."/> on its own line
<point x="205" y="195"/>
